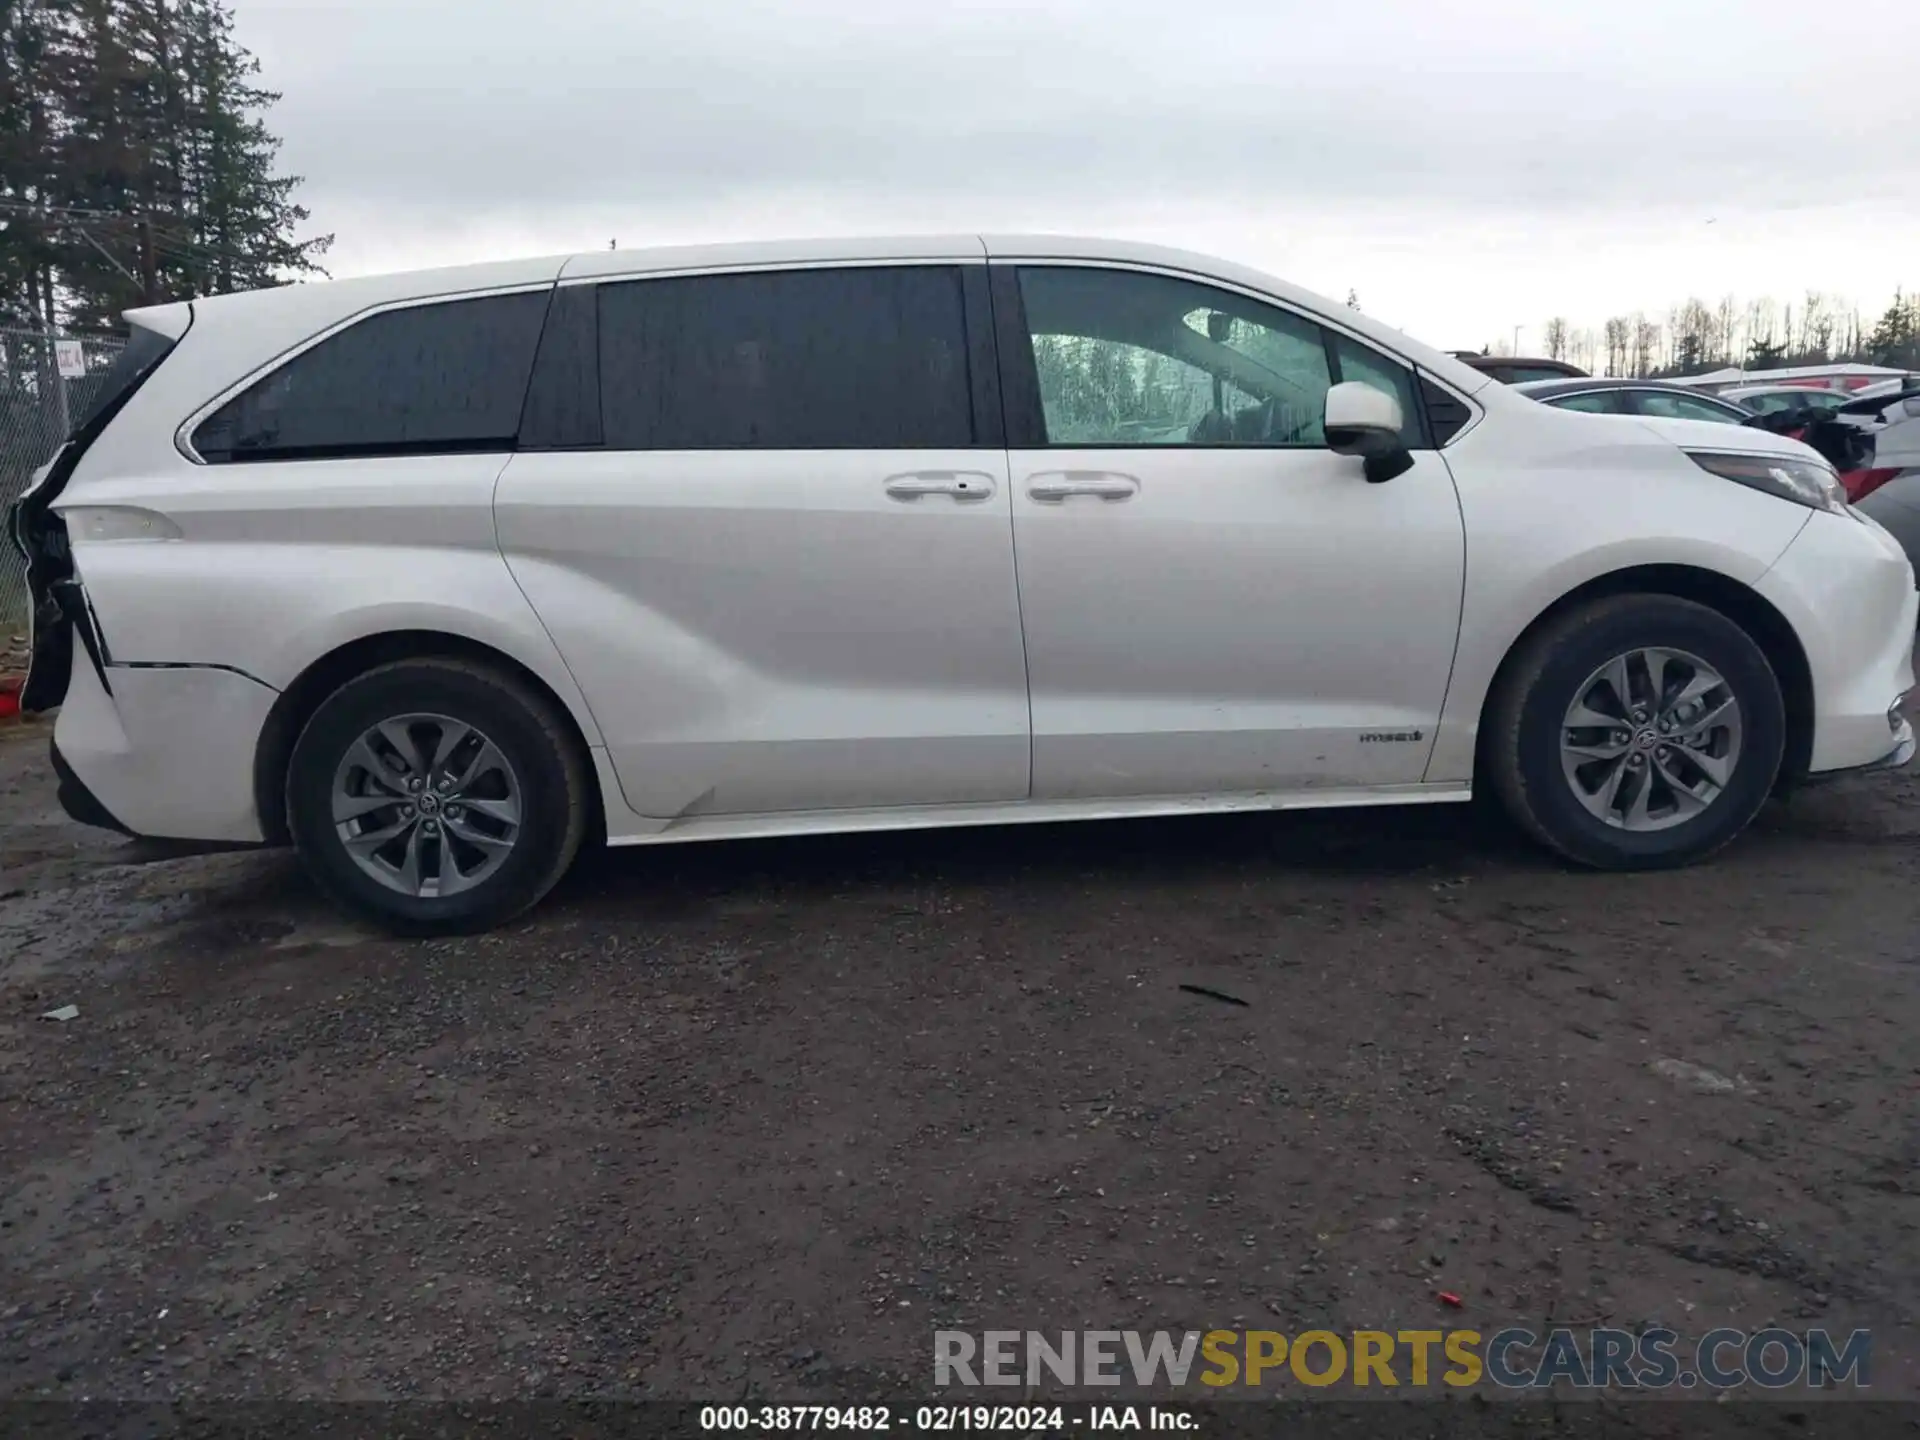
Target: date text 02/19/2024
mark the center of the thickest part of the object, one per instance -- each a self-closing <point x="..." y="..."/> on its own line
<point x="941" y="1419"/>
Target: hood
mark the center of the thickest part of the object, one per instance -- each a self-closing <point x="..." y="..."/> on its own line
<point x="1728" y="439"/>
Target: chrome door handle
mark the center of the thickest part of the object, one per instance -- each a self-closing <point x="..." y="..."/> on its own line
<point x="1065" y="484"/>
<point x="960" y="484"/>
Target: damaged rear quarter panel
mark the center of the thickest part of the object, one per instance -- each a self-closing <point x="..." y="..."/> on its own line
<point x="278" y="564"/>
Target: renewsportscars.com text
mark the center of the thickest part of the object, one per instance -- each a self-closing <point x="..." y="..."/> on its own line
<point x="1513" y="1358"/>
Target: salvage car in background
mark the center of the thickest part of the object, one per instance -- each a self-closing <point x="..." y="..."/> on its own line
<point x="1773" y="399"/>
<point x="1659" y="398"/>
<point x="1511" y="370"/>
<point x="437" y="575"/>
<point x="1888" y="486"/>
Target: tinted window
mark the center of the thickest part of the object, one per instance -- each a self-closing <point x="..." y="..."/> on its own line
<point x="860" y="359"/>
<point x="141" y="355"/>
<point x="429" y="379"/>
<point x="1598" y="402"/>
<point x="1520" y="374"/>
<point x="563" y="398"/>
<point x="1124" y="358"/>
<point x="1667" y="405"/>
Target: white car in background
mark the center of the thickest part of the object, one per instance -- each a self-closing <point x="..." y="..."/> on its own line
<point x="437" y="575"/>
<point x="1775" y="399"/>
<point x="1889" y="490"/>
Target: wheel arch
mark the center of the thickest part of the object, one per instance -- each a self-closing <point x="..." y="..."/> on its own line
<point x="1739" y="603"/>
<point x="300" y="699"/>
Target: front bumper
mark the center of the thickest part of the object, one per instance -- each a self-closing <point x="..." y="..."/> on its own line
<point x="1847" y="589"/>
<point x="1902" y="750"/>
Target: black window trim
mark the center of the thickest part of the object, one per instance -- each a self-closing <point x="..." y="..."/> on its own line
<point x="183" y="435"/>
<point x="1020" y="379"/>
<point x="986" y="405"/>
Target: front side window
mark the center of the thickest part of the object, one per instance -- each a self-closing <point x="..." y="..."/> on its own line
<point x="1356" y="362"/>
<point x="1125" y="358"/>
<point x="855" y="358"/>
<point x="440" y="378"/>
<point x="1669" y="406"/>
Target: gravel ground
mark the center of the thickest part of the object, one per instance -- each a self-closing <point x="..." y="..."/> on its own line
<point x="754" y="1120"/>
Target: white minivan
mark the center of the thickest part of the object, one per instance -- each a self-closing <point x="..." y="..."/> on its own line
<point x="438" y="575"/>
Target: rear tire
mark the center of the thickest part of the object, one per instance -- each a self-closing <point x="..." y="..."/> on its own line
<point x="1660" y="777"/>
<point x="436" y="797"/>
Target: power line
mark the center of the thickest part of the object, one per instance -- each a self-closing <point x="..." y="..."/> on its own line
<point x="180" y="242"/>
<point x="61" y="212"/>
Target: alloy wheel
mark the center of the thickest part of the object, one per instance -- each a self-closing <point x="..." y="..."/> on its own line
<point x="1651" y="739"/>
<point x="426" y="805"/>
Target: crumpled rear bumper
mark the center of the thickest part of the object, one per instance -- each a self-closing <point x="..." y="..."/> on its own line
<point x="166" y="753"/>
<point x="80" y="803"/>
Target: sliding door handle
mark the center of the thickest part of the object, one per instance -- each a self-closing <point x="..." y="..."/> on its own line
<point x="960" y="484"/>
<point x="1065" y="484"/>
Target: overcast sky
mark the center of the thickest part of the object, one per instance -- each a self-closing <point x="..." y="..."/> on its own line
<point x="1465" y="166"/>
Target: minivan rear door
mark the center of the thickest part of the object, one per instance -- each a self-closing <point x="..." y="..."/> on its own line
<point x="765" y="517"/>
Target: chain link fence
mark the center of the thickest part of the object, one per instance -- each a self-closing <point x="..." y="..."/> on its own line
<point x="46" y="384"/>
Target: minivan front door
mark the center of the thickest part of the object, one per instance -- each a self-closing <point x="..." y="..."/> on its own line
<point x="1213" y="601"/>
<point x="766" y="518"/>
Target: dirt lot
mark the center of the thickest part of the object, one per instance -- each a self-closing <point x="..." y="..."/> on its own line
<point x="753" y="1121"/>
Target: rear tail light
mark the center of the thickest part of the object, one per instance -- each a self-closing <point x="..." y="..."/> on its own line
<point x="1861" y="483"/>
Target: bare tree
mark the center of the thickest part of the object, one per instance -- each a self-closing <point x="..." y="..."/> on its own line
<point x="1618" y="336"/>
<point x="1556" y="338"/>
<point x="1694" y="329"/>
<point x="1817" y="322"/>
<point x="1585" y="349"/>
<point x="1646" y="344"/>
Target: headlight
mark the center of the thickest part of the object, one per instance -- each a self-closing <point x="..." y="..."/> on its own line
<point x="1805" y="482"/>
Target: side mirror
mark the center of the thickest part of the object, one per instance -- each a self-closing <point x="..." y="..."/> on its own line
<point x="1364" y="421"/>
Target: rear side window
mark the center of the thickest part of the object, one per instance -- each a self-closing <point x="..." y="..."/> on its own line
<point x="430" y="379"/>
<point x="1597" y="402"/>
<point x="836" y="359"/>
<point x="141" y="355"/>
<point x="1665" y="404"/>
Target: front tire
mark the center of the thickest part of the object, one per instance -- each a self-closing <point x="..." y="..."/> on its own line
<point x="1636" y="732"/>
<point x="436" y="796"/>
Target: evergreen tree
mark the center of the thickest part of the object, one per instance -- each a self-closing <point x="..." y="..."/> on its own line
<point x="29" y="122"/>
<point x="135" y="163"/>
<point x="1896" y="338"/>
